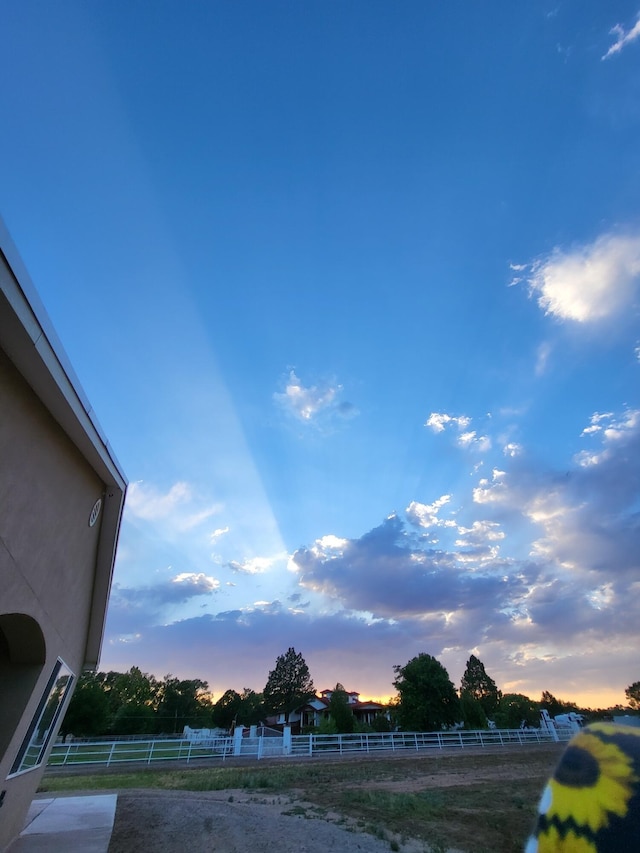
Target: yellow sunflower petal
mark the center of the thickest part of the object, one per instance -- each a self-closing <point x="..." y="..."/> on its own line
<point x="552" y="842"/>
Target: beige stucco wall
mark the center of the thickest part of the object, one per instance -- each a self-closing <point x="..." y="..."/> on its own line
<point x="47" y="557"/>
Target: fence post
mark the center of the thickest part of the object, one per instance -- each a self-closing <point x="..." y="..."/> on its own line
<point x="286" y="740"/>
<point x="237" y="740"/>
<point x="113" y="746"/>
<point x="260" y="746"/>
<point x="150" y="751"/>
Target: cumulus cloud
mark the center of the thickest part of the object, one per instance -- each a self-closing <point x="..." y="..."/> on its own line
<point x="466" y="438"/>
<point x="386" y="574"/>
<point x="177" y="590"/>
<point x="480" y="533"/>
<point x="473" y="440"/>
<point x="587" y="516"/>
<point x="614" y="433"/>
<point x="512" y="449"/>
<point x="623" y="38"/>
<point x="588" y="283"/>
<point x="308" y="404"/>
<point x="491" y="490"/>
<point x="427" y="515"/>
<point x="439" y="420"/>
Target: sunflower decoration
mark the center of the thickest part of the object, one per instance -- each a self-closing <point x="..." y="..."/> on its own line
<point x="592" y="802"/>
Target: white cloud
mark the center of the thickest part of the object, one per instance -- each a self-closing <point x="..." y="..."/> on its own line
<point x="200" y="583"/>
<point x="589" y="283"/>
<point x="467" y="438"/>
<point x="255" y="565"/>
<point x="439" y="420"/>
<point x="622" y="38"/>
<point x="147" y="502"/>
<point x="426" y="515"/>
<point x="542" y="357"/>
<point x="218" y="533"/>
<point x="615" y="433"/>
<point x="472" y="440"/>
<point x="329" y="543"/>
<point x="307" y="404"/>
<point x="491" y="491"/>
<point x="175" y="506"/>
<point x="512" y="449"/>
<point x="480" y="533"/>
<point x="595" y="422"/>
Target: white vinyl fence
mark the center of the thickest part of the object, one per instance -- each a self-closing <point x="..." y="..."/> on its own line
<point x="267" y="743"/>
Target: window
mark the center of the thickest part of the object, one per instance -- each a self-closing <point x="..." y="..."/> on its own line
<point x="45" y="719"/>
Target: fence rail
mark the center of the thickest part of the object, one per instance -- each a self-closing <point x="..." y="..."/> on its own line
<point x="268" y="745"/>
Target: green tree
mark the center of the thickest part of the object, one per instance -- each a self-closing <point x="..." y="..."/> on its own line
<point x="133" y="699"/>
<point x="243" y="708"/>
<point x="633" y="695"/>
<point x="135" y="688"/>
<point x="251" y="710"/>
<point x="480" y="686"/>
<point x="516" y="709"/>
<point x="225" y="710"/>
<point x="289" y="684"/>
<point x="339" y="710"/>
<point x="472" y="712"/>
<point x="555" y="706"/>
<point x="88" y="713"/>
<point x="428" y="700"/>
<point x="133" y="720"/>
<point x="183" y="703"/>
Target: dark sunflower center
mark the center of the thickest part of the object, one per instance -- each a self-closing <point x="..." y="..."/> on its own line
<point x="578" y="768"/>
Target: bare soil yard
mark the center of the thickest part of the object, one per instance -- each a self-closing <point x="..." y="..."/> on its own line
<point x="472" y="801"/>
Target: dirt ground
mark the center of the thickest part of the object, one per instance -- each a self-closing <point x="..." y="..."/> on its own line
<point x="230" y="822"/>
<point x="235" y="821"/>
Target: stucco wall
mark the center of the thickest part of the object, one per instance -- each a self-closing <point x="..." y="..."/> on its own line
<point x="47" y="558"/>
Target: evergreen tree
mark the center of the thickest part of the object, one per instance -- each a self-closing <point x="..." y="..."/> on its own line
<point x="633" y="695"/>
<point x="339" y="710"/>
<point x="480" y="686"/>
<point x="289" y="684"/>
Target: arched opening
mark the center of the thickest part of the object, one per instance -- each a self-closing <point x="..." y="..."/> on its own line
<point x="22" y="656"/>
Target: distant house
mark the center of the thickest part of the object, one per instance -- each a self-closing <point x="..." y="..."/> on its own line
<point x="61" y="499"/>
<point x="313" y="712"/>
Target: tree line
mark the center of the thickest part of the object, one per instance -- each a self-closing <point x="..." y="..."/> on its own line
<point x="135" y="702"/>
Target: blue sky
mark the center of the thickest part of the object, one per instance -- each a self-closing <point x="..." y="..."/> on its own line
<point x="353" y="288"/>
